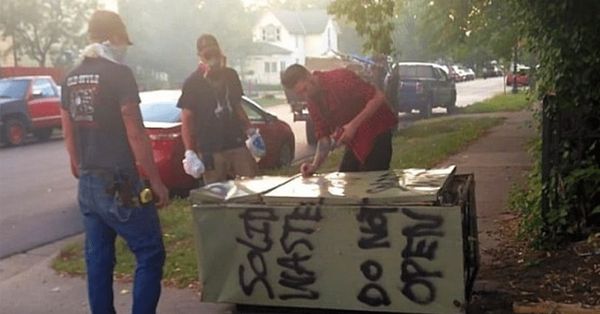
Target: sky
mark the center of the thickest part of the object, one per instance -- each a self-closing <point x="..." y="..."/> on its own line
<point x="112" y="4"/>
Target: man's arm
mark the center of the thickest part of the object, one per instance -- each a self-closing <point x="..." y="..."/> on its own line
<point x="69" y="135"/>
<point x="188" y="131"/>
<point x="142" y="151"/>
<point x="321" y="154"/>
<point x="368" y="111"/>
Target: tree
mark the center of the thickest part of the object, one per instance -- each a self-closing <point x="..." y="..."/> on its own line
<point x="45" y="28"/>
<point x="562" y="35"/>
<point x="565" y="191"/>
<point x="164" y="33"/>
<point x="373" y="21"/>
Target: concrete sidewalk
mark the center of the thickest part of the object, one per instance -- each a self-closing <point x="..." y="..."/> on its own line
<point x="29" y="285"/>
<point x="498" y="160"/>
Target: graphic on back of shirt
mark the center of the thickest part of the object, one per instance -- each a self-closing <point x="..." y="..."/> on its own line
<point x="84" y="89"/>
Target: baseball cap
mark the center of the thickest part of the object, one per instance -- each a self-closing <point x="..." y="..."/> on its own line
<point x="104" y="24"/>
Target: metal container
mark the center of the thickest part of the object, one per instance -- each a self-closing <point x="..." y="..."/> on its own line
<point x="402" y="241"/>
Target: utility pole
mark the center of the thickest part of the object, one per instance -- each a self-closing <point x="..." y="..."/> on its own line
<point x="514" y="77"/>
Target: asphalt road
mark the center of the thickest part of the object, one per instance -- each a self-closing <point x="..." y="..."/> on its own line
<point x="38" y="193"/>
<point x="37" y="196"/>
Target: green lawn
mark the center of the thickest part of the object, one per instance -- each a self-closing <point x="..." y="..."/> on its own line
<point x="422" y="145"/>
<point x="500" y="102"/>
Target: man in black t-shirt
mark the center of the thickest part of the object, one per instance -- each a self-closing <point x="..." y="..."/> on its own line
<point x="214" y="124"/>
<point x="106" y="141"/>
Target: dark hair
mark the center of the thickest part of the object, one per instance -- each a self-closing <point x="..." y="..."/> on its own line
<point x="293" y="74"/>
<point x="207" y="43"/>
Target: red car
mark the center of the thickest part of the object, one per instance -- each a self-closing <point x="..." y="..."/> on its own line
<point x="522" y="78"/>
<point x="162" y="120"/>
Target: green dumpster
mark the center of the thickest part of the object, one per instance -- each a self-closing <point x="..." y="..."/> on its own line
<point x="402" y="241"/>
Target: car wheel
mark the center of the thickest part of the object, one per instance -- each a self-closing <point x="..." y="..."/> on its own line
<point x="43" y="134"/>
<point x="311" y="138"/>
<point x="286" y="155"/>
<point x="14" y="132"/>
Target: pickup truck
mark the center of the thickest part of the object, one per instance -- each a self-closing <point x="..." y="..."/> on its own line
<point x="28" y="104"/>
<point x="420" y="86"/>
<point x="300" y="112"/>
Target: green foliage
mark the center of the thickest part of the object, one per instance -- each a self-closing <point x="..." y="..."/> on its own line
<point x="373" y="21"/>
<point x="564" y="37"/>
<point x="43" y="28"/>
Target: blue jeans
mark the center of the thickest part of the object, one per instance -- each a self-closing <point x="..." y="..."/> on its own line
<point x="103" y="220"/>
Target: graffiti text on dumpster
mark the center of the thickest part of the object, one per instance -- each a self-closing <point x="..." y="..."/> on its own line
<point x="295" y="279"/>
<point x="421" y="243"/>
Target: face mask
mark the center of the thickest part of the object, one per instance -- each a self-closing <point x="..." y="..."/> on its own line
<point x="119" y="52"/>
<point x="214" y="63"/>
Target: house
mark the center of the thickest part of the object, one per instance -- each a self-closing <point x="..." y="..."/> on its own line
<point x="282" y="37"/>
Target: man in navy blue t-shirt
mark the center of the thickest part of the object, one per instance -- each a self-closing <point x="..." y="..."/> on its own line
<point x="106" y="141"/>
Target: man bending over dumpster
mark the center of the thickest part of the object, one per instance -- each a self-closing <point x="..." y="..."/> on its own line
<point x="346" y="111"/>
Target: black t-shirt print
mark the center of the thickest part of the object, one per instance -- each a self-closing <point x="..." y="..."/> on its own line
<point x="214" y="99"/>
<point x="93" y="94"/>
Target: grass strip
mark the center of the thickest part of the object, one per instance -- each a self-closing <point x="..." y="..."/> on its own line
<point x="500" y="103"/>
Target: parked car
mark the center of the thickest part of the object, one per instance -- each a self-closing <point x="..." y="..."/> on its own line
<point x="522" y="76"/>
<point x="491" y="70"/>
<point x="28" y="104"/>
<point x="162" y="120"/>
<point x="463" y="73"/>
<point x="468" y="73"/>
<point x="451" y="72"/>
<point x="420" y="86"/>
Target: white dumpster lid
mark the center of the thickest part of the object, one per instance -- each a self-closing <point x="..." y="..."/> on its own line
<point x="400" y="186"/>
<point x="243" y="190"/>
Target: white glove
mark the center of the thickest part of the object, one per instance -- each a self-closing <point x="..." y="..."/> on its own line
<point x="255" y="143"/>
<point x="192" y="165"/>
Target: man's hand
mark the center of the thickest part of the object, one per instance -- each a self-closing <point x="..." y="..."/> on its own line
<point x="348" y="133"/>
<point x="307" y="169"/>
<point x="161" y="192"/>
<point x="192" y="165"/>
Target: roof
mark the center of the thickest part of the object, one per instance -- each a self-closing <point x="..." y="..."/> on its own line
<point x="262" y="48"/>
<point x="303" y="22"/>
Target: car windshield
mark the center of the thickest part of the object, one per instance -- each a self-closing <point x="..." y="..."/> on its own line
<point x="415" y="71"/>
<point x="160" y="111"/>
<point x="13" y="88"/>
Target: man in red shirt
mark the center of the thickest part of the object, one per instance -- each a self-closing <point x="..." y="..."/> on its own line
<point x="347" y="110"/>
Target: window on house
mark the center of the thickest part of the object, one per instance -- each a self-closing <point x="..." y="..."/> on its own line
<point x="267" y="67"/>
<point x="273" y="67"/>
<point x="282" y="65"/>
<point x="271" y="33"/>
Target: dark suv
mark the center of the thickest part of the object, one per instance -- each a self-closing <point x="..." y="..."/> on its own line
<point x="421" y="86"/>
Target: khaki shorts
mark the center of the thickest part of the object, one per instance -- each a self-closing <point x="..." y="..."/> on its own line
<point x="231" y="163"/>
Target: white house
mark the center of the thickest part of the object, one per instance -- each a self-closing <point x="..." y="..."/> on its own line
<point x="283" y="37"/>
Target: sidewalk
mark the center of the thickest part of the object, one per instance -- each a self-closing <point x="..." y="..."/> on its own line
<point x="498" y="160"/>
